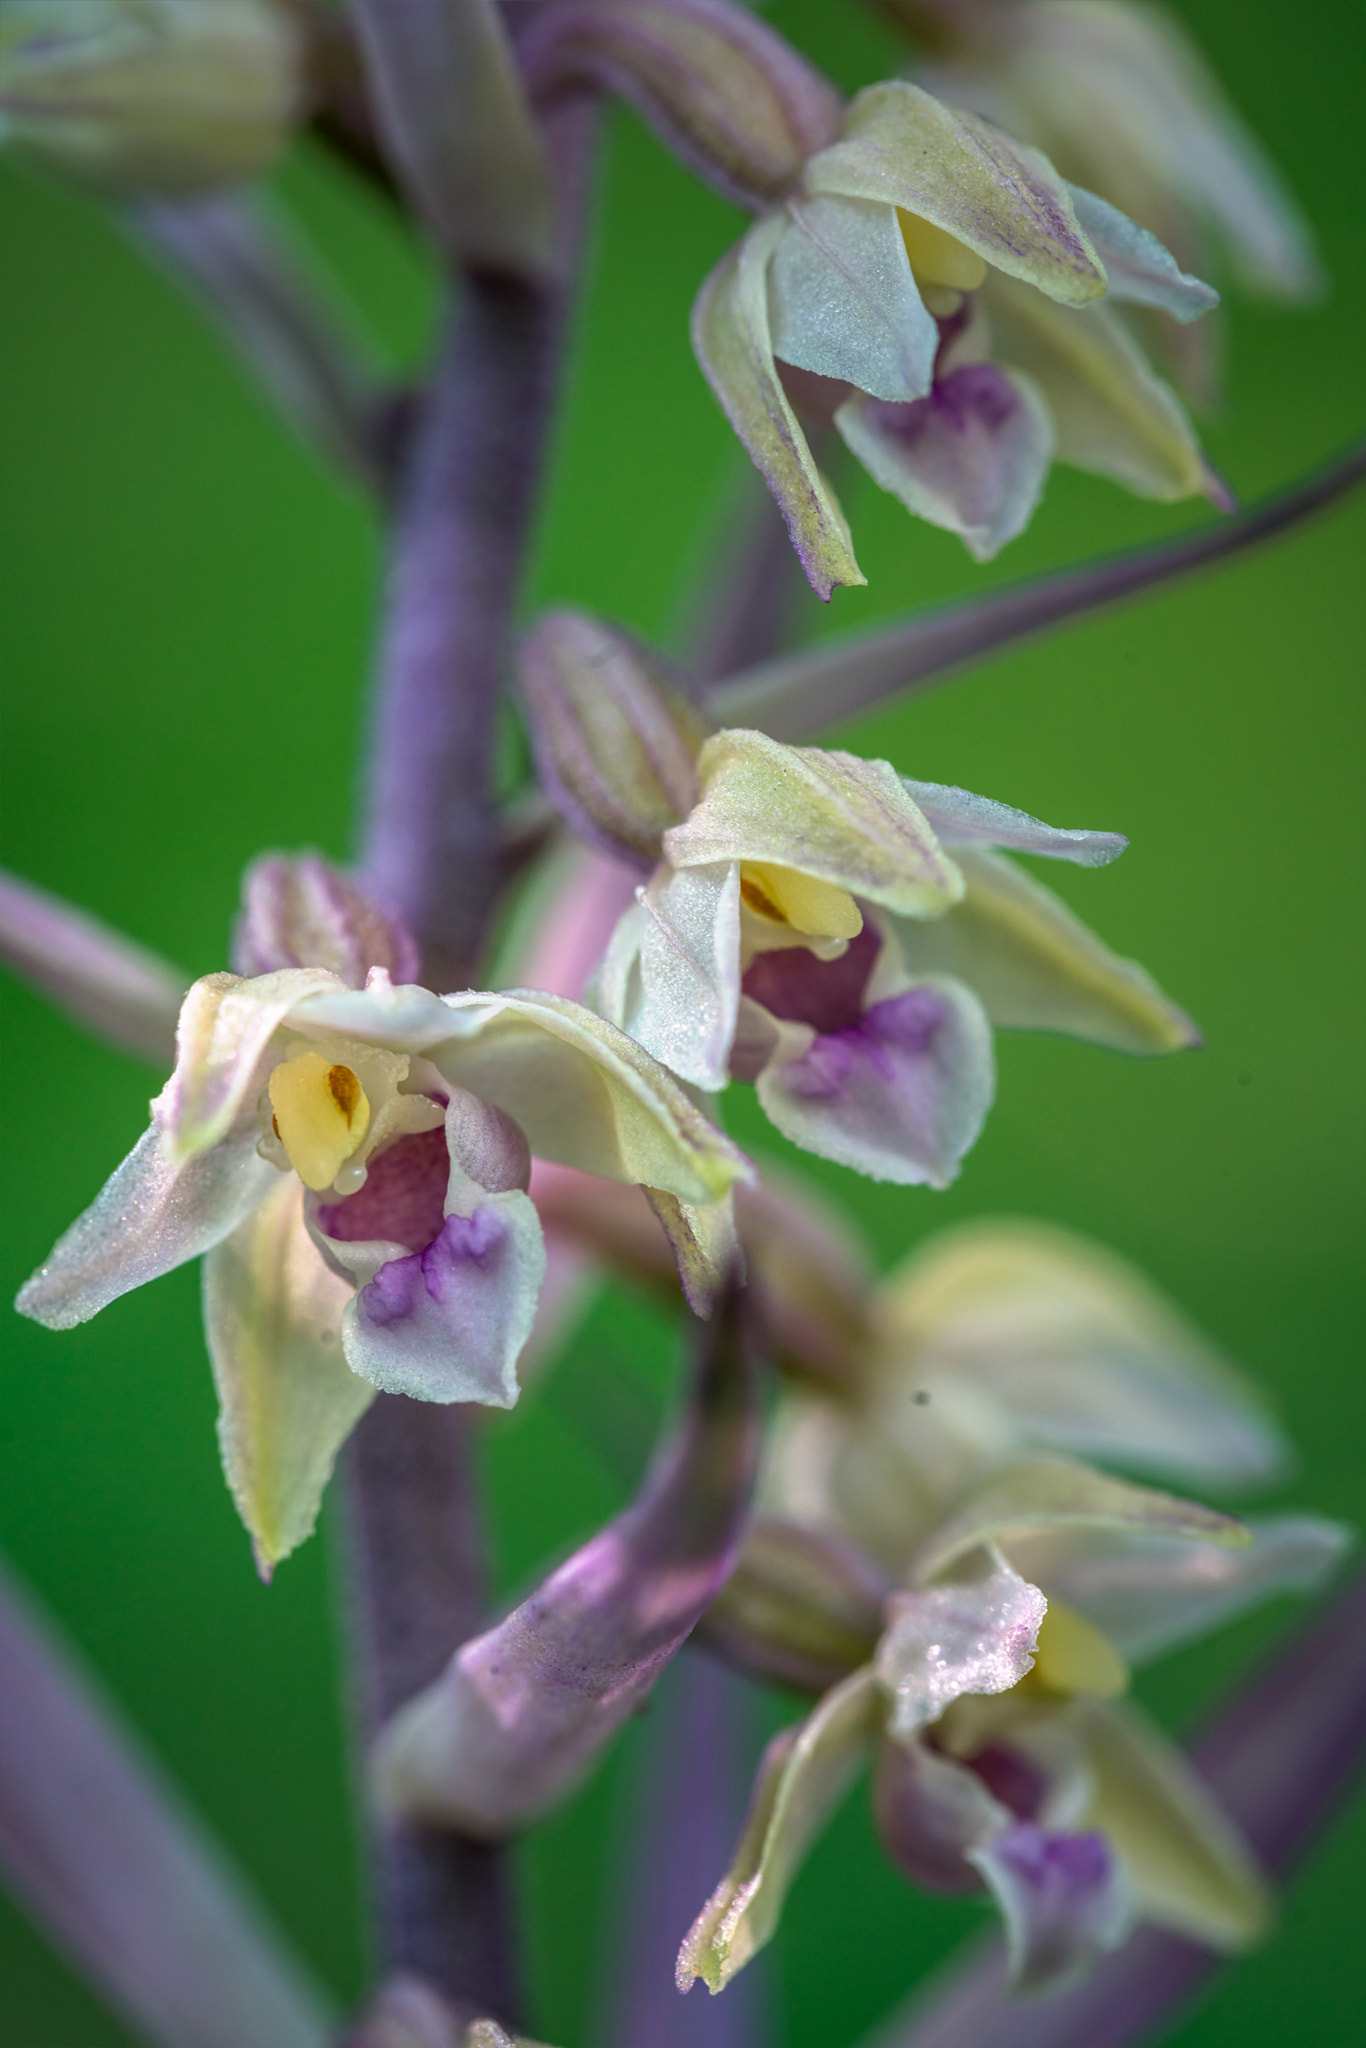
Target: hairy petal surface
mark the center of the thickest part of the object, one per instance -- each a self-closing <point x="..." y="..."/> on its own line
<point x="1148" y="1593"/>
<point x="1188" y="1866"/>
<point x="1057" y="1495"/>
<point x="971" y="457"/>
<point x="287" y="1398"/>
<point x="960" y="818"/>
<point x="732" y="342"/>
<point x="671" y="979"/>
<point x="1110" y="412"/>
<point x="830" y="815"/>
<point x="226" y="1025"/>
<point x="520" y="1712"/>
<point x="899" y="1096"/>
<point x="975" y="1636"/>
<point x="842" y="300"/>
<point x="1037" y="967"/>
<point x="1141" y="271"/>
<point x="1007" y="203"/>
<point x="1080" y="1349"/>
<point x="149" y="1217"/>
<point x="804" y="1774"/>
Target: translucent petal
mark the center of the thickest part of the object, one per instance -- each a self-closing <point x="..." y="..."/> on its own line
<point x="978" y="1636"/>
<point x="1140" y="271"/>
<point x="961" y="819"/>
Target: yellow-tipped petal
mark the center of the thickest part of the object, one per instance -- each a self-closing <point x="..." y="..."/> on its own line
<point x="817" y="909"/>
<point x="938" y="258"/>
<point x="321" y="1115"/>
<point x="1073" y="1657"/>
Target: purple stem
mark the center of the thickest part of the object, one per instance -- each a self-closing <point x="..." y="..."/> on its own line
<point x="464" y="512"/>
<point x="417" y="1590"/>
<point x="801" y="694"/>
<point x="684" y="1817"/>
<point x="1281" y="1757"/>
<point x="758" y="583"/>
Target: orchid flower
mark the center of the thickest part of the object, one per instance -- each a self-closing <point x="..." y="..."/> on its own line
<point x="1005" y="1754"/>
<point x="846" y="938"/>
<point x="936" y="287"/>
<point x="1120" y="99"/>
<point x="353" y="1161"/>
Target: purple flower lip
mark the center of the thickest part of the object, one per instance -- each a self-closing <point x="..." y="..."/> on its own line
<point x="904" y="1024"/>
<point x="403" y="1199"/>
<point x="463" y="1241"/>
<point x="826" y="994"/>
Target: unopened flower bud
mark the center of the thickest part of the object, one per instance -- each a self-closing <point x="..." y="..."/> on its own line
<point x="803" y="1606"/>
<point x="728" y="95"/>
<point x="616" y="741"/>
<point x="299" y="911"/>
<point x="150" y="96"/>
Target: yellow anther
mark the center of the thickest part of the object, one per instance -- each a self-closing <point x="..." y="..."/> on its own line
<point x="818" y="910"/>
<point x="938" y="258"/>
<point x="321" y="1116"/>
<point x="1074" y="1657"/>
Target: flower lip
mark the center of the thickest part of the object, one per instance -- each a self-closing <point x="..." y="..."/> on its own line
<point x="793" y="984"/>
<point x="403" y="1198"/>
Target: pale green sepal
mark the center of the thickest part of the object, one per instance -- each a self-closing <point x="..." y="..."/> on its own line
<point x="704" y="1243"/>
<point x="1054" y="1494"/>
<point x="226" y="1025"/>
<point x="730" y="334"/>
<point x="1112" y="414"/>
<point x="831" y="815"/>
<point x="287" y="1399"/>
<point x="1037" y="967"/>
<point x="801" y="1779"/>
<point x="1189" y="1868"/>
<point x="843" y="302"/>
<point x="905" y="147"/>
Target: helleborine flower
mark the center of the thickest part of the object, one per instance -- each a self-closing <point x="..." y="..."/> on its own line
<point x="993" y="1339"/>
<point x="151" y="96"/>
<point x="1121" y="100"/>
<point x="944" y="282"/>
<point x="354" y="1161"/>
<point x="1005" y="1755"/>
<point x="846" y="938"/>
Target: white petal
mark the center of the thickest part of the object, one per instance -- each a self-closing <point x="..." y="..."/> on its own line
<point x="688" y="971"/>
<point x="149" y="1217"/>
<point x="960" y="818"/>
<point x="843" y="303"/>
<point x="977" y="1636"/>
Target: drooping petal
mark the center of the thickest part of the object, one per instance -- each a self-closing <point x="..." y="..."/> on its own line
<point x="971" y="457"/>
<point x="1037" y="967"/>
<point x="730" y="336"/>
<point x="974" y="1636"/>
<point x="960" y="818"/>
<point x="1189" y="1867"/>
<point x="704" y="1243"/>
<point x="149" y="1217"/>
<point x="1140" y="270"/>
<point x="1147" y="1593"/>
<point x="448" y="1323"/>
<point x="1056" y="1495"/>
<point x="908" y="149"/>
<point x="842" y="300"/>
<point x="287" y="1398"/>
<point x="1079" y="1348"/>
<point x="804" y="1774"/>
<point x="671" y="979"/>
<point x="519" y="1713"/>
<point x="900" y="1096"/>
<point x="1110" y="412"/>
<point x="226" y="1025"/>
<point x="1063" y="1897"/>
<point x="825" y="814"/>
<point x="583" y="1093"/>
<point x="112" y="985"/>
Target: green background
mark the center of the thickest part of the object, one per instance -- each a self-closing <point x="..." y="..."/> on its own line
<point x="187" y="605"/>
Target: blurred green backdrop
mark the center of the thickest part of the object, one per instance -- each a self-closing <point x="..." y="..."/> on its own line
<point x="186" y="614"/>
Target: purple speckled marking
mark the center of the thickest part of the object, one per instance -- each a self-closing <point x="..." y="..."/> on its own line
<point x="905" y="1024"/>
<point x="463" y="1241"/>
